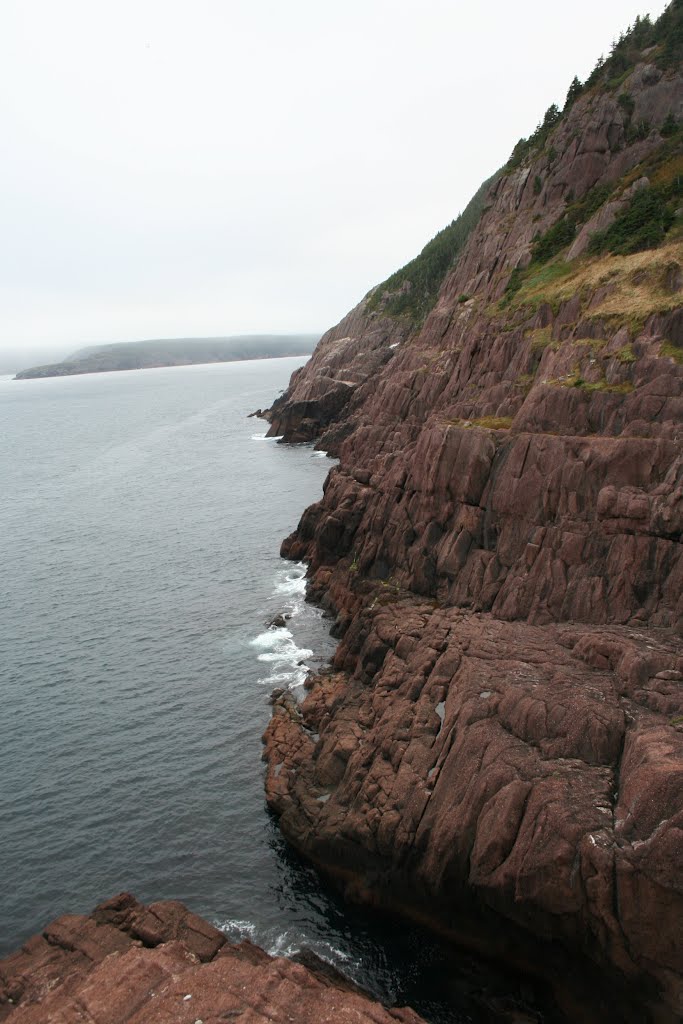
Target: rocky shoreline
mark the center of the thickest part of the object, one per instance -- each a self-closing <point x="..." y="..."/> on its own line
<point x="127" y="963"/>
<point x="498" y="749"/>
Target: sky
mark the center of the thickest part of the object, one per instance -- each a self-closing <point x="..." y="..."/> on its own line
<point x="214" y="167"/>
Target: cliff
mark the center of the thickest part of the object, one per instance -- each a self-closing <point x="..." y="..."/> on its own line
<point x="498" y="749"/>
<point x="130" y="964"/>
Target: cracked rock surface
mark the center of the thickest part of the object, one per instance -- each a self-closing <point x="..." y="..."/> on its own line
<point x="533" y="768"/>
<point x="130" y="964"/>
<point x="498" y="746"/>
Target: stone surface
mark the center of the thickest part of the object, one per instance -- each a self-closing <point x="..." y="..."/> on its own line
<point x="131" y="964"/>
<point x="499" y="746"/>
<point x="535" y="766"/>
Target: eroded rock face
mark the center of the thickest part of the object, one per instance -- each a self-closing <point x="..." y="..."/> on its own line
<point x="500" y="746"/>
<point x="343" y="360"/>
<point x="131" y="964"/>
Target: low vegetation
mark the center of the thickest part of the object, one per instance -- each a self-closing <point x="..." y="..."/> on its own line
<point x="672" y="352"/>
<point x="488" y="422"/>
<point x="542" y="338"/>
<point x="634" y="286"/>
<point x="411" y="292"/>
<point x="643" y="224"/>
<point x="664" y="39"/>
<point x="562" y="234"/>
<point x="576" y="380"/>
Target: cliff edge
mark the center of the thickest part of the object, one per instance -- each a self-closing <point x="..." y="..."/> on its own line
<point x="498" y="749"/>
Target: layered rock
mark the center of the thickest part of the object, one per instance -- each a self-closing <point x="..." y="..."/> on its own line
<point x="130" y="964"/>
<point x="499" y="749"/>
<point x="345" y="358"/>
<point x="467" y="767"/>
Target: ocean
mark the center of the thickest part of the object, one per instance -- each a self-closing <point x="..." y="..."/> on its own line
<point x="141" y="515"/>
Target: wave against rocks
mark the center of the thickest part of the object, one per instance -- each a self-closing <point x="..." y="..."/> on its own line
<point x="162" y="964"/>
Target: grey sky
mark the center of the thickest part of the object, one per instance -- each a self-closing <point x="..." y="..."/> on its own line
<point x="209" y="168"/>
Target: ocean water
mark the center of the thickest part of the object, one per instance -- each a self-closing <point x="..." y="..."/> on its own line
<point x="141" y="515"/>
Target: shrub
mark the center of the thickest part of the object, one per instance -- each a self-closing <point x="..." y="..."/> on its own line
<point x="563" y="232"/>
<point x="514" y="284"/>
<point x="556" y="238"/>
<point x="669" y="126"/>
<point x="642" y="225"/>
<point x="637" y="132"/>
<point x="627" y="103"/>
<point x="413" y="289"/>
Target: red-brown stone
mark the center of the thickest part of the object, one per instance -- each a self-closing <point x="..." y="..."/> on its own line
<point x="503" y="726"/>
<point x="95" y="970"/>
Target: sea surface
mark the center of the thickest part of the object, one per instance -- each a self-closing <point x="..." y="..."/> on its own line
<point x="141" y="515"/>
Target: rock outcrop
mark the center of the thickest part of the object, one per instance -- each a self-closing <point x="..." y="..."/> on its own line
<point x="130" y="964"/>
<point x="498" y="748"/>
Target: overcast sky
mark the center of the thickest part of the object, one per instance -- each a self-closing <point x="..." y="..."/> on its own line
<point x="227" y="166"/>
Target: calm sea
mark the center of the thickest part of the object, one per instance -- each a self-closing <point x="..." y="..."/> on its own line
<point x="141" y="515"/>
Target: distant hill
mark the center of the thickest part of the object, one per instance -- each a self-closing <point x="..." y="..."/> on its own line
<point x="141" y="355"/>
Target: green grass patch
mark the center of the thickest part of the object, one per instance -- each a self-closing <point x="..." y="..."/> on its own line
<point x="525" y="381"/>
<point x="542" y="338"/>
<point x="596" y="345"/>
<point x="493" y="422"/>
<point x="530" y="287"/>
<point x="670" y="351"/>
<point x="488" y="422"/>
<point x="575" y="380"/>
<point x="624" y="388"/>
<point x="626" y="355"/>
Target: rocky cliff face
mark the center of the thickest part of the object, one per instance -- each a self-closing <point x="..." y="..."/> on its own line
<point x="499" y="748"/>
<point x="130" y="964"/>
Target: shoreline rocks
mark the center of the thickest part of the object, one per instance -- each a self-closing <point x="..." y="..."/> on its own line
<point x="127" y="963"/>
<point x="495" y="781"/>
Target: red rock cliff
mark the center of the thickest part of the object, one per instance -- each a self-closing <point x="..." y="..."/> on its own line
<point x="499" y="748"/>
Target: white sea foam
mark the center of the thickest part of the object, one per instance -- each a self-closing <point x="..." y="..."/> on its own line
<point x="272" y="639"/>
<point x="292" y="580"/>
<point x="286" y="943"/>
<point x="236" y="929"/>
<point x="287" y="661"/>
<point x="277" y="646"/>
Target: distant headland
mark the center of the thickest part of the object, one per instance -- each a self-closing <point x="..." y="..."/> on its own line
<point x="142" y="355"/>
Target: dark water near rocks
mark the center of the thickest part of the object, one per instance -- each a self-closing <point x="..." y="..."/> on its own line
<point x="140" y="521"/>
